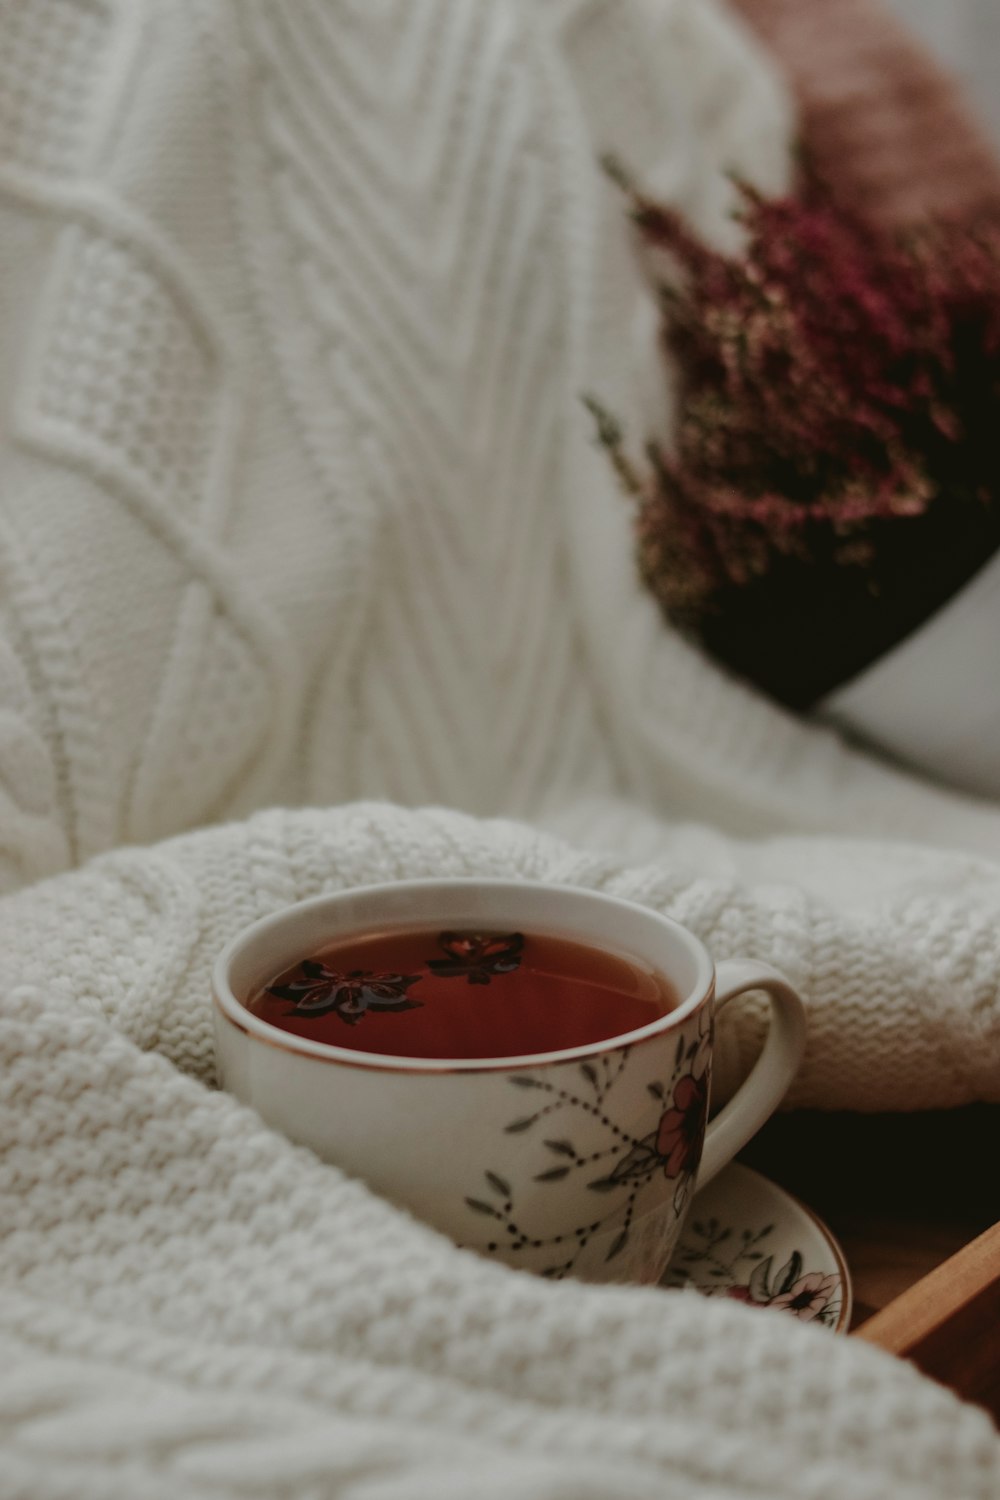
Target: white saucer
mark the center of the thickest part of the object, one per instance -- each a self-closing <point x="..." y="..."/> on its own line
<point x="747" y="1238"/>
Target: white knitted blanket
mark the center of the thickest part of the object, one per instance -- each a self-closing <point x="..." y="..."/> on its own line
<point x="298" y="504"/>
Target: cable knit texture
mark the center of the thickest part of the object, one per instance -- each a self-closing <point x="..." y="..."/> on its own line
<point x="298" y="504"/>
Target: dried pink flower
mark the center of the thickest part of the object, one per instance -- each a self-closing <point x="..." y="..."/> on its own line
<point x="835" y="475"/>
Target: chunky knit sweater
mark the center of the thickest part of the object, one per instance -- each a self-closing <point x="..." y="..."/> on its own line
<point x="298" y="504"/>
<point x="191" y="1305"/>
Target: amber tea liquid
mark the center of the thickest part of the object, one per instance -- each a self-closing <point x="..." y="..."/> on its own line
<point x="462" y="993"/>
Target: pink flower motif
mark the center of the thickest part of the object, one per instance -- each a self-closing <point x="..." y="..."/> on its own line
<point x="681" y="1129"/>
<point x="809" y="1296"/>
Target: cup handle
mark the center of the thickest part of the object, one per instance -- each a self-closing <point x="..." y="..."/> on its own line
<point x="759" y="1095"/>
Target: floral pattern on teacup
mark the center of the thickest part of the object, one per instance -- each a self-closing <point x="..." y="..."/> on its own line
<point x="617" y="1166"/>
<point x="675" y="1145"/>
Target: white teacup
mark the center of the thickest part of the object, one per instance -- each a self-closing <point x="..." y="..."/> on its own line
<point x="575" y="1162"/>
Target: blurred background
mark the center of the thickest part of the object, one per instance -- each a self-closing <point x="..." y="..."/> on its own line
<point x="965" y="34"/>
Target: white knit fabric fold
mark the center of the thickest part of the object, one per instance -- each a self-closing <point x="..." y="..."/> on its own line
<point x="299" y="504"/>
<point x="188" y="1303"/>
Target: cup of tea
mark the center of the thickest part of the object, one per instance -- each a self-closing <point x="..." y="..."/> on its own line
<point x="527" y="1067"/>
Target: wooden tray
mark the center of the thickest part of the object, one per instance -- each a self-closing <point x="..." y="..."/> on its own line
<point x="915" y="1203"/>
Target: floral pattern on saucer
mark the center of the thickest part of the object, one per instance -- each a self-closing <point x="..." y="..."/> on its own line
<point x="749" y="1240"/>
